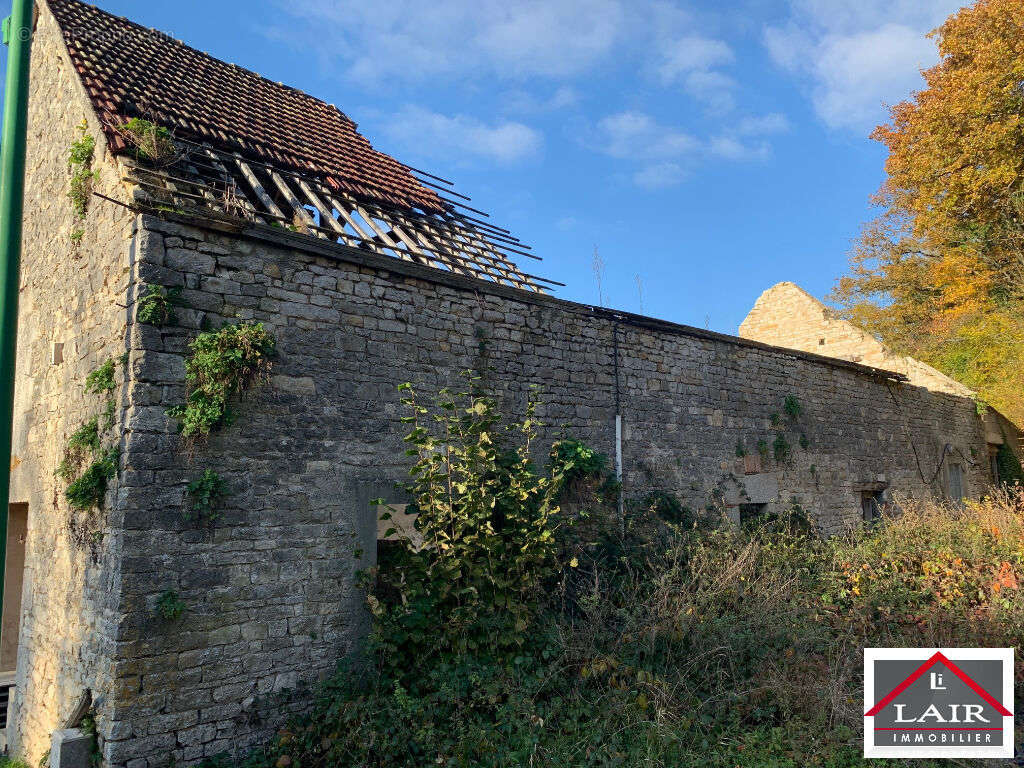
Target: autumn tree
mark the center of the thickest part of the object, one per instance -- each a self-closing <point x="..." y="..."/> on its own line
<point x="940" y="273"/>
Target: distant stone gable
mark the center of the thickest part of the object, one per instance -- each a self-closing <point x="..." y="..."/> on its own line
<point x="787" y="316"/>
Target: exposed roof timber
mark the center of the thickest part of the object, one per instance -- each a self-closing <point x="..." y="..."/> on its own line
<point x="236" y="186"/>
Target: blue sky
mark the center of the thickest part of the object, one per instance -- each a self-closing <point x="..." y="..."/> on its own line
<point x="708" y="150"/>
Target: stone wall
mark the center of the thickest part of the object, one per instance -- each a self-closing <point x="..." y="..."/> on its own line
<point x="788" y="316"/>
<point x="269" y="586"/>
<point x="271" y="602"/>
<point x="74" y="297"/>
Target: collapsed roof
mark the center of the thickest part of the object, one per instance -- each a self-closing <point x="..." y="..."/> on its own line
<point x="197" y="132"/>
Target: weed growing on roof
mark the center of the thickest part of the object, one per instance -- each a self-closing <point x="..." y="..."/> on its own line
<point x="204" y="494"/>
<point x="151" y="143"/>
<point x="222" y="363"/>
<point x="80" y="156"/>
<point x="156" y="307"/>
<point x="169" y="606"/>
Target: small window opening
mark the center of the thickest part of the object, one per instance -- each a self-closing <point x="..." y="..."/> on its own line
<point x="872" y="505"/>
<point x="751" y="512"/>
<point x="821" y="342"/>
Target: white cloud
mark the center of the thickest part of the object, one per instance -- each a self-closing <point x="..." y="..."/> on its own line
<point x="690" y="61"/>
<point x="731" y="148"/>
<point x="638" y="136"/>
<point x="690" y="54"/>
<point x="858" y="56"/>
<point x="414" y="40"/>
<point x="762" y="125"/>
<point x="453" y="137"/>
<point x="664" y="155"/>
<point x="659" y="176"/>
<point x="523" y="102"/>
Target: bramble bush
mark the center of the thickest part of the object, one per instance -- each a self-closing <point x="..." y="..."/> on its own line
<point x="533" y="626"/>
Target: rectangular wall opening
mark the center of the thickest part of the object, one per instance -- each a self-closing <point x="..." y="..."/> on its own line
<point x="14" y="575"/>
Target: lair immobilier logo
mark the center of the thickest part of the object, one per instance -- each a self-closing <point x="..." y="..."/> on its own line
<point x="938" y="702"/>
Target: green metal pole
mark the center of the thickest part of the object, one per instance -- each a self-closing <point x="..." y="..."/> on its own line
<point x="17" y="30"/>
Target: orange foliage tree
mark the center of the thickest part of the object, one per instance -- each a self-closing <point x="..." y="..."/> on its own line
<point x="940" y="273"/>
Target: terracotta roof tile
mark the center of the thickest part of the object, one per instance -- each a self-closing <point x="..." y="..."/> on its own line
<point x="130" y="71"/>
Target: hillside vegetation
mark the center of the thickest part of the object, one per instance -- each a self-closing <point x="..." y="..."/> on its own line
<point x="536" y="628"/>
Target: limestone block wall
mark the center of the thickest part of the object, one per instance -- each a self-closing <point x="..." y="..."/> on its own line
<point x="788" y="316"/>
<point x="73" y="297"/>
<point x="271" y="602"/>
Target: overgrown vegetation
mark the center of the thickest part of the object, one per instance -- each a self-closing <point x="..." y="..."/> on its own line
<point x="102" y="379"/>
<point x="86" y="466"/>
<point x="1008" y="465"/>
<point x="221" y="364"/>
<point x="205" y="493"/>
<point x="169" y="606"/>
<point x="80" y="157"/>
<point x="90" y="487"/>
<point x="151" y="143"/>
<point x="156" y="305"/>
<point x="529" y="632"/>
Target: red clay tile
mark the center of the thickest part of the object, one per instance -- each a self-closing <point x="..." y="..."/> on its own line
<point x="130" y="71"/>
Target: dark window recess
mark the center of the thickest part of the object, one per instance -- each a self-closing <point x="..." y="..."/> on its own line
<point x="993" y="462"/>
<point x="5" y="700"/>
<point x="872" y="505"/>
<point x="956" y="482"/>
<point x="750" y="512"/>
<point x="821" y="342"/>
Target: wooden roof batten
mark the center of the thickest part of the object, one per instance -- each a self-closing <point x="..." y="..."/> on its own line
<point x="229" y="184"/>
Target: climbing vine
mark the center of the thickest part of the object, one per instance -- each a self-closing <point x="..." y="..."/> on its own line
<point x="86" y="466"/>
<point x="80" y="156"/>
<point x="222" y="363"/>
<point x="204" y="494"/>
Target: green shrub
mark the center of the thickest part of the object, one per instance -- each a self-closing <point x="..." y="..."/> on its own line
<point x="102" y="379"/>
<point x="156" y="306"/>
<point x="204" y="494"/>
<point x="86" y="438"/>
<point x="792" y="407"/>
<point x="89" y="489"/>
<point x="222" y="364"/>
<point x="572" y="459"/>
<point x="781" y="449"/>
<point x="486" y="521"/>
<point x="169" y="606"/>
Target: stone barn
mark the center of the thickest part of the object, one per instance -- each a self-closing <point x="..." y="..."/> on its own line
<point x="249" y="201"/>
